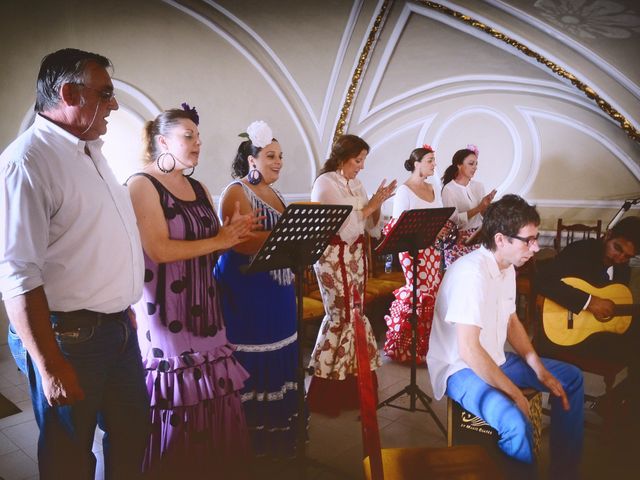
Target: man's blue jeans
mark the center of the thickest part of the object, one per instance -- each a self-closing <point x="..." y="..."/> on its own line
<point x="107" y="361"/>
<point x="515" y="434"/>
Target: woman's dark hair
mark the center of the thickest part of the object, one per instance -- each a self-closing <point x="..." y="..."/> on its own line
<point x="63" y="66"/>
<point x="161" y="125"/>
<point x="344" y="148"/>
<point x="452" y="170"/>
<point x="507" y="216"/>
<point x="240" y="165"/>
<point x="415" y="156"/>
<point x="629" y="229"/>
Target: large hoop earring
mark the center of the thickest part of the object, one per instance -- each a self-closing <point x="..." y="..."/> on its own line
<point x="193" y="169"/>
<point x="254" y="176"/>
<point x="160" y="161"/>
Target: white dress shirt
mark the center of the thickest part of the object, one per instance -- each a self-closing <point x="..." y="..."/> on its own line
<point x="406" y="199"/>
<point x="474" y="291"/>
<point x="464" y="198"/>
<point x="66" y="224"/>
<point x="331" y="188"/>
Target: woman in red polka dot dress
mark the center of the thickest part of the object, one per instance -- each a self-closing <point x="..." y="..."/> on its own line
<point x="415" y="193"/>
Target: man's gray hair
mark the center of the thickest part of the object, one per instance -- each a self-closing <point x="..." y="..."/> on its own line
<point x="63" y="66"/>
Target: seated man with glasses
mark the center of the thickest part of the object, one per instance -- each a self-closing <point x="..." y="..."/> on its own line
<point x="599" y="262"/>
<point x="475" y="313"/>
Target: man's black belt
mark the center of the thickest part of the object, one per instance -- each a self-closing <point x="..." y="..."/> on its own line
<point x="67" y="321"/>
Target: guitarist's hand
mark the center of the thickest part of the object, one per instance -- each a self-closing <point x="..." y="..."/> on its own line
<point x="601" y="308"/>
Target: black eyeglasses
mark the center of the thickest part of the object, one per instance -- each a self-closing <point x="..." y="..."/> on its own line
<point x="105" y="95"/>
<point x="530" y="241"/>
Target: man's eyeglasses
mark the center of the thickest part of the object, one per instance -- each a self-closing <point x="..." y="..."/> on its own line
<point x="105" y="95"/>
<point x="530" y="241"/>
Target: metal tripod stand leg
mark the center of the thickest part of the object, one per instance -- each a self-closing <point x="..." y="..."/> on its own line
<point x="413" y="390"/>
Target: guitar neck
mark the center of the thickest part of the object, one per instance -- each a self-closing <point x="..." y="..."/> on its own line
<point x="630" y="309"/>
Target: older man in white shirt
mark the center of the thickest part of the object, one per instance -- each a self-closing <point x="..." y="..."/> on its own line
<point x="70" y="266"/>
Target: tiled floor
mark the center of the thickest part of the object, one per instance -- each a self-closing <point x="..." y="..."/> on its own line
<point x="335" y="444"/>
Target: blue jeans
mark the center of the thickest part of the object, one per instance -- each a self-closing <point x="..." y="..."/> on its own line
<point x="514" y="430"/>
<point x="108" y="364"/>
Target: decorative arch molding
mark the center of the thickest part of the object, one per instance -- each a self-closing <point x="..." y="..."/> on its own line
<point x="516" y="139"/>
<point x="530" y="114"/>
<point x="571" y="122"/>
<point x="318" y="122"/>
<point x="443" y="10"/>
<point x="368" y="44"/>
<point x="424" y="123"/>
<point x="566" y="40"/>
<point x="268" y="77"/>
<point x="626" y="122"/>
<point x="478" y="84"/>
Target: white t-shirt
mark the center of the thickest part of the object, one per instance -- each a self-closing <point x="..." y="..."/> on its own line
<point x="464" y="198"/>
<point x="474" y="291"/>
<point x="333" y="189"/>
<point x="406" y="199"/>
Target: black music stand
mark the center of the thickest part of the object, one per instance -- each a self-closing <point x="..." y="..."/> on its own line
<point x="299" y="239"/>
<point x="414" y="230"/>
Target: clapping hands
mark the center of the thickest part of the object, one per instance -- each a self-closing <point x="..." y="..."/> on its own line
<point x="238" y="228"/>
<point x="383" y="193"/>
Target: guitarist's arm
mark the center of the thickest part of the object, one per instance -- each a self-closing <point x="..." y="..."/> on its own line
<point x="549" y="284"/>
<point x="579" y="260"/>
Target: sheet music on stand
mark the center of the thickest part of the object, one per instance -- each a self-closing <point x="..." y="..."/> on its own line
<point x="420" y="225"/>
<point x="301" y="235"/>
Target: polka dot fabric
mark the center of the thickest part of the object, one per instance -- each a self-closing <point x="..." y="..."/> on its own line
<point x="432" y="262"/>
<point x="398" y="341"/>
<point x="193" y="379"/>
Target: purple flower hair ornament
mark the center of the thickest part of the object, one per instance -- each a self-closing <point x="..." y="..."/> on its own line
<point x="192" y="112"/>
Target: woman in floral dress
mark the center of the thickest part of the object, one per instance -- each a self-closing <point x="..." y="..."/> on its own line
<point x="342" y="266"/>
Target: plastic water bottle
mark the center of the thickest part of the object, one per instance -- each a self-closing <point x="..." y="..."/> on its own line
<point x="388" y="263"/>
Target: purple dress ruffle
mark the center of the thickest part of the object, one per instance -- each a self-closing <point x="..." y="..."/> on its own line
<point x="193" y="379"/>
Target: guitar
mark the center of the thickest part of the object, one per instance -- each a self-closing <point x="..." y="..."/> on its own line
<point x="566" y="328"/>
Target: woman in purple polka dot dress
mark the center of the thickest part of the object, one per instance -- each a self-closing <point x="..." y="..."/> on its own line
<point x="197" y="422"/>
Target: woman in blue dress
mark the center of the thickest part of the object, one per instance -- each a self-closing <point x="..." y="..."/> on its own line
<point x="260" y="308"/>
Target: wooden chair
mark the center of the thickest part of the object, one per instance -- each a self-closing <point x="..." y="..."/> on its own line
<point x="469" y="462"/>
<point x="312" y="307"/>
<point x="577" y="231"/>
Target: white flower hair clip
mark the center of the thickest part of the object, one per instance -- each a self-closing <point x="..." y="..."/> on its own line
<point x="260" y="134"/>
